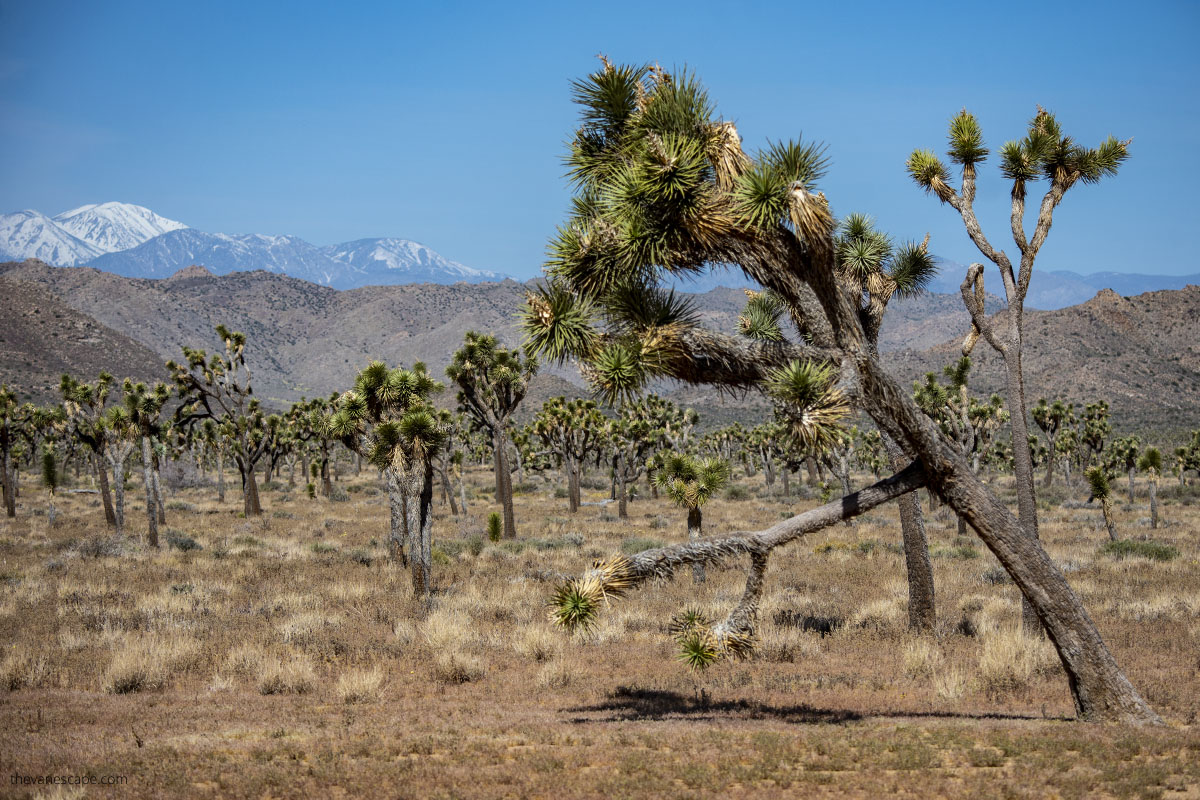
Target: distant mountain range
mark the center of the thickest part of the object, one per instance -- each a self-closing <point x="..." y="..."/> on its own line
<point x="1054" y="289"/>
<point x="135" y="242"/>
<point x="1142" y="354"/>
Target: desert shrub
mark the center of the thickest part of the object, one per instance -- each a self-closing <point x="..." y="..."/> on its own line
<point x="964" y="551"/>
<point x="294" y="676"/>
<point x="360" y="685"/>
<point x="339" y="495"/>
<point x="180" y="505"/>
<point x="456" y="666"/>
<point x="737" y="492"/>
<point x="321" y="548"/>
<point x="1127" y="548"/>
<point x="561" y="493"/>
<point x="22" y="669"/>
<point x="100" y="547"/>
<point x="360" y="556"/>
<point x="282" y="515"/>
<point x="1010" y="660"/>
<point x="177" y="540"/>
<point x="439" y="557"/>
<point x="879" y="615"/>
<point x="636" y="544"/>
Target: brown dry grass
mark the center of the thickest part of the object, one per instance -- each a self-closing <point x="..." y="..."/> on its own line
<point x="288" y="657"/>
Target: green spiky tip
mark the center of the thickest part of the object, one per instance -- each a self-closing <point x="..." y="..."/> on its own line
<point x="573" y="607"/>
<point x="698" y="650"/>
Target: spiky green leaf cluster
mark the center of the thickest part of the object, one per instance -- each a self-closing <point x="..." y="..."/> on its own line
<point x="690" y="482"/>
<point x="807" y="398"/>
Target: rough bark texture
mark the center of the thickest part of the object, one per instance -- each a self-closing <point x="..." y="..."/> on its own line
<point x="504" y="495"/>
<point x="1154" y="504"/>
<point x="695" y="524"/>
<point x="922" y="608"/>
<point x="9" y="484"/>
<point x="151" y="500"/>
<point x="396" y="505"/>
<point x="110" y="515"/>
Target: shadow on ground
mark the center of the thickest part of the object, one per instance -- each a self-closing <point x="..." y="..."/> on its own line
<point x="630" y="703"/>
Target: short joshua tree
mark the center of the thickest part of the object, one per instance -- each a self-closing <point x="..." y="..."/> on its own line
<point x="1098" y="482"/>
<point x="691" y="483"/>
<point x="1151" y="463"/>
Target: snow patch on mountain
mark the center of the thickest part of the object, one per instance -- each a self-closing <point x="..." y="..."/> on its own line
<point x="392" y="260"/>
<point x="31" y="234"/>
<point x="111" y="227"/>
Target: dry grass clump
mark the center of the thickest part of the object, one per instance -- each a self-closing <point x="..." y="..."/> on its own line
<point x="448" y="629"/>
<point x="880" y="615"/>
<point x="1010" y="660"/>
<point x="922" y="658"/>
<point x="245" y="660"/>
<point x="147" y="662"/>
<point x="23" y="669"/>
<point x="456" y="666"/>
<point x="360" y="685"/>
<point x="537" y="642"/>
<point x="950" y="684"/>
<point x="786" y="645"/>
<point x="556" y="675"/>
<point x="293" y="675"/>
<point x="306" y="627"/>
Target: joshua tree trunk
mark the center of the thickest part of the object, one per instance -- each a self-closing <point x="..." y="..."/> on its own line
<point x="1109" y="522"/>
<point x="573" y="488"/>
<point x="504" y="492"/>
<point x="447" y="489"/>
<point x="9" y="486"/>
<point x="119" y="499"/>
<point x="787" y="482"/>
<point x="220" y="476"/>
<point x="922" y="608"/>
<point x="421" y="533"/>
<point x="622" y="489"/>
<point x="695" y="524"/>
<point x="399" y="521"/>
<point x="462" y="491"/>
<point x="110" y="516"/>
<point x="1022" y="458"/>
<point x="1132" y="472"/>
<point x="1153" y="503"/>
<point x="151" y="500"/>
<point x="158" y="494"/>
<point x="326" y="478"/>
<point x="250" y="503"/>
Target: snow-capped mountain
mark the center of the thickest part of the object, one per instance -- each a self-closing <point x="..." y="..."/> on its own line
<point x="222" y="253"/>
<point x="31" y="234"/>
<point x="388" y="261"/>
<point x="115" y="226"/>
<point x="135" y="242"/>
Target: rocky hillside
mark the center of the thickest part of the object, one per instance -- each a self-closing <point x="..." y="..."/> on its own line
<point x="1140" y="353"/>
<point x="42" y="337"/>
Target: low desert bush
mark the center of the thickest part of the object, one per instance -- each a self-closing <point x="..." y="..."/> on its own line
<point x="360" y="685"/>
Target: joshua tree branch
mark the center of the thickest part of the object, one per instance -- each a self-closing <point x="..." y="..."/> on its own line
<point x="974" y="303"/>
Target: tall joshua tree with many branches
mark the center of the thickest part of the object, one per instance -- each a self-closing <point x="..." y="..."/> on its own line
<point x="84" y="405"/>
<point x="1043" y="154"/>
<point x="573" y="430"/>
<point x="664" y="187"/>
<point x="492" y="382"/>
<point x="219" y="388"/>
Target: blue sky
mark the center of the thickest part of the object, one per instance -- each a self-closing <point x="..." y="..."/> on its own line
<point x="446" y="122"/>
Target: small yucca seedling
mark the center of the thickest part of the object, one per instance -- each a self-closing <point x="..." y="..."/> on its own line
<point x="574" y="606"/>
<point x="494" y="526"/>
<point x="312" y="490"/>
<point x="698" y="650"/>
<point x="687" y="622"/>
<point x="49" y="471"/>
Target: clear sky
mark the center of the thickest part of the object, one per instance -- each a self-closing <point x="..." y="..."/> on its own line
<point x="446" y="122"/>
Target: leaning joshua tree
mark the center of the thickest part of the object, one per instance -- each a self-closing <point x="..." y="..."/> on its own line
<point x="1098" y="482"/>
<point x="492" y="382"/>
<point x="664" y="188"/>
<point x="1043" y="154"/>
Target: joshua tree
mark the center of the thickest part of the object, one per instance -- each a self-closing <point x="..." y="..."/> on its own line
<point x="84" y="406"/>
<point x="573" y="430"/>
<point x="17" y="424"/>
<point x="144" y="406"/>
<point x="1043" y="154"/>
<point x="1188" y="457"/>
<point x="1098" y="482"/>
<point x="492" y="382"/>
<point x="662" y="186"/>
<point x="220" y="389"/>
<point x="1123" y="454"/>
<point x="123" y="435"/>
<point x="1053" y="419"/>
<point x="1151" y="463"/>
<point x="1095" y="429"/>
<point x="49" y="479"/>
<point x="388" y="418"/>
<point x="691" y="482"/>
